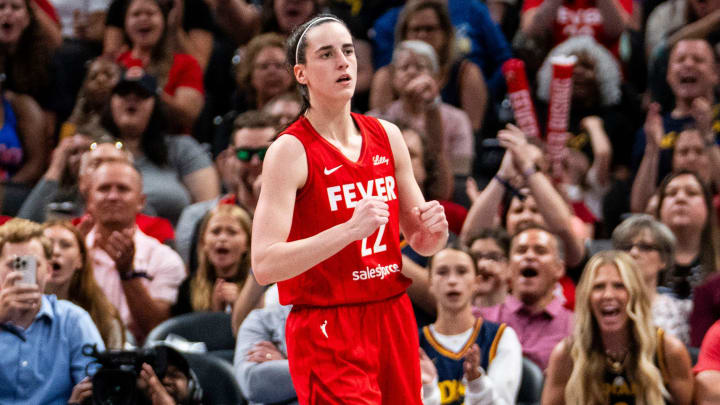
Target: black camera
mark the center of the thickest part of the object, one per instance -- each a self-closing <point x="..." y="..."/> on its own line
<point x="115" y="382"/>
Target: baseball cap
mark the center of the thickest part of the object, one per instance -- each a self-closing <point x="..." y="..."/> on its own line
<point x="136" y="80"/>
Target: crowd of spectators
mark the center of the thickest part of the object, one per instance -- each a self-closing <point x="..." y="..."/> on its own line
<point x="132" y="136"/>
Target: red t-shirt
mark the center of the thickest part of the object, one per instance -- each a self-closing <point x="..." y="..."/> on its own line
<point x="184" y="72"/>
<point x="580" y="17"/>
<point x="366" y="270"/>
<point x="709" y="358"/>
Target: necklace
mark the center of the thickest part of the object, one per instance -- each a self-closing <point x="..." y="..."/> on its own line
<point x="614" y="362"/>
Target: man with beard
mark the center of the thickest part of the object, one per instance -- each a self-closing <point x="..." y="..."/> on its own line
<point x="693" y="78"/>
<point x="534" y="310"/>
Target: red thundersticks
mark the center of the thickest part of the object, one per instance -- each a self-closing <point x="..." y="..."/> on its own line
<point x="559" y="110"/>
<point x="519" y="93"/>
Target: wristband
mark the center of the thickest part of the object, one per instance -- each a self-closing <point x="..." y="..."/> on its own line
<point x="434" y="103"/>
<point x="135" y="274"/>
<point x="132" y="274"/>
<point x="509" y="187"/>
<point x="504" y="182"/>
<point x="530" y="171"/>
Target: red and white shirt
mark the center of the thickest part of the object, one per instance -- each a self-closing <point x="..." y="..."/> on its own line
<point x="580" y="17"/>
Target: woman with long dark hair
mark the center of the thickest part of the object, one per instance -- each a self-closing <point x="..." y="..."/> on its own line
<point x="175" y="169"/>
<point x="72" y="279"/>
<point x="685" y="206"/>
<point x="153" y="47"/>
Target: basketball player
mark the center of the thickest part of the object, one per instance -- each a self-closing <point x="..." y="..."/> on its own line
<point x="338" y="190"/>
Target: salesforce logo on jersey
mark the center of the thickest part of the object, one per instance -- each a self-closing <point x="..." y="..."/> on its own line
<point x="370" y="273"/>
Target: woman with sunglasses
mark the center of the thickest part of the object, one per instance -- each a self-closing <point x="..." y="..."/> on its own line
<point x="337" y="190"/>
<point x="652" y="245"/>
<point x="175" y="169"/>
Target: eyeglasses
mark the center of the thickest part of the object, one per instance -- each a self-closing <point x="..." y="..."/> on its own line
<point x="118" y="145"/>
<point x="643" y="247"/>
<point x="246" y="154"/>
<point x="491" y="256"/>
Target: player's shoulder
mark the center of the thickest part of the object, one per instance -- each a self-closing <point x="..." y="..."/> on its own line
<point x="389" y="127"/>
<point x="286" y="146"/>
<point x="394" y="135"/>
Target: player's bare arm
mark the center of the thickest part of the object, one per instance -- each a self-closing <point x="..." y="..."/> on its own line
<point x="422" y="222"/>
<point x="273" y="258"/>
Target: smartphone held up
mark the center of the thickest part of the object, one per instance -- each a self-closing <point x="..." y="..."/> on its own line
<point x="27" y="266"/>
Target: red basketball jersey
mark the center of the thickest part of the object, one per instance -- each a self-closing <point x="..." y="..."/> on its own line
<point x="368" y="269"/>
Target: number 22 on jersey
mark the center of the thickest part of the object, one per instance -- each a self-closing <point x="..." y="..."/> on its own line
<point x="377" y="247"/>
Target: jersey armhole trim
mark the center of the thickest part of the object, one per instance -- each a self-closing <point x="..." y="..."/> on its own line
<point x="309" y="179"/>
<point x="495" y="343"/>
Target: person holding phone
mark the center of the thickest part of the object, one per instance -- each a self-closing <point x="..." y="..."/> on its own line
<point x="42" y="337"/>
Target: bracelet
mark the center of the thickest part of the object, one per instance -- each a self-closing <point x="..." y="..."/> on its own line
<point x="509" y="187"/>
<point x="504" y="182"/>
<point x="135" y="274"/>
<point x="530" y="171"/>
<point x="434" y="103"/>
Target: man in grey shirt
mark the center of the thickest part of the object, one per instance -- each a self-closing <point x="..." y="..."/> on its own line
<point x="260" y="363"/>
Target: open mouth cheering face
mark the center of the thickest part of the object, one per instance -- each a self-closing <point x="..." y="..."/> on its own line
<point x="14" y="18"/>
<point x="608" y="299"/>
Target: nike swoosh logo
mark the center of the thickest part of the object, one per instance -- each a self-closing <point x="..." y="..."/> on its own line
<point x="331" y="171"/>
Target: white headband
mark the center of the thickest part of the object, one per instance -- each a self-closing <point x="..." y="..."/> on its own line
<point x="312" y="24"/>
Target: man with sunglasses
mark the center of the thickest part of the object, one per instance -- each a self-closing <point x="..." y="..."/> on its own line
<point x="240" y="166"/>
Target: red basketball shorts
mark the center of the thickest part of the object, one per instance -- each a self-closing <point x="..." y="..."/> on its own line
<point x="355" y="354"/>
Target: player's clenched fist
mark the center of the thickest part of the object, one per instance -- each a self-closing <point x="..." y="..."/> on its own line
<point x="370" y="213"/>
<point x="432" y="216"/>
